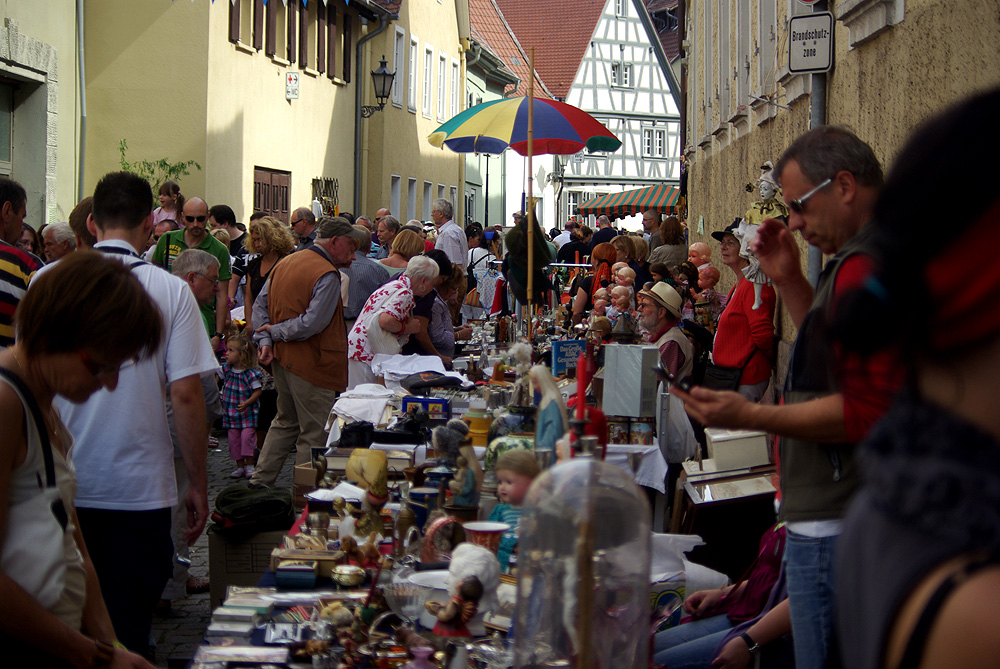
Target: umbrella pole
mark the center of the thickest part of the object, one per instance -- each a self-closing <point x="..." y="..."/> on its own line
<point x="531" y="177"/>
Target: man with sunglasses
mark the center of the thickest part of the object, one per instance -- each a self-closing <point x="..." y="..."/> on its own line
<point x="195" y="235"/>
<point x="830" y="181"/>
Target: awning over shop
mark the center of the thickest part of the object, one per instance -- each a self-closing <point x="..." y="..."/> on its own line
<point x="661" y="198"/>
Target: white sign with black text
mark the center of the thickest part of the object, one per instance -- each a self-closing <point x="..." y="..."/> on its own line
<point x="810" y="43"/>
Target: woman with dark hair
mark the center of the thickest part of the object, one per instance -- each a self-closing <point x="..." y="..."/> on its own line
<point x="601" y="259"/>
<point x="577" y="250"/>
<point x="919" y="560"/>
<point x="672" y="249"/>
<point x="515" y="263"/>
<point x="77" y="325"/>
<point x="478" y="266"/>
<point x="29" y="241"/>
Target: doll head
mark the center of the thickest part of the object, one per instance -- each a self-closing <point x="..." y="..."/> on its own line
<point x="659" y="271"/>
<point x="516" y="469"/>
<point x="601" y="307"/>
<point x="708" y="277"/>
<point x="699" y="253"/>
<point x="602" y="294"/>
<point x="617" y="266"/>
<point x="625" y="276"/>
<point x="621" y="298"/>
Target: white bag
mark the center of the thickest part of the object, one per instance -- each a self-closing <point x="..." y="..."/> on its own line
<point x="676" y="436"/>
<point x="32" y="553"/>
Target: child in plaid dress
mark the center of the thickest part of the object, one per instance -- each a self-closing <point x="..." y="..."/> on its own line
<point x="242" y="384"/>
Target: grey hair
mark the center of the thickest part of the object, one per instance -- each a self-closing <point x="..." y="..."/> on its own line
<point x="61" y="232"/>
<point x="193" y="260"/>
<point x="364" y="245"/>
<point x="824" y="151"/>
<point x="421" y="267"/>
<point x="306" y="213"/>
<point x="444" y="206"/>
<point x="391" y="222"/>
<point x="603" y="220"/>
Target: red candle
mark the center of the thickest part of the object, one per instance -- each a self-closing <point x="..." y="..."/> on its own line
<point x="581" y="384"/>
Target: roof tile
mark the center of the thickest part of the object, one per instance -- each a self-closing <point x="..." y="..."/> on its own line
<point x="492" y="31"/>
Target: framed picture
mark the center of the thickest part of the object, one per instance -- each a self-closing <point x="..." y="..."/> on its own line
<point x="504" y="615"/>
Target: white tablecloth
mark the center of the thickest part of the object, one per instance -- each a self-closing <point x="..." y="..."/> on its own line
<point x="419" y="452"/>
<point x="652" y="469"/>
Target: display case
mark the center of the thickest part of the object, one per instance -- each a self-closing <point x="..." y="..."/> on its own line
<point x="583" y="570"/>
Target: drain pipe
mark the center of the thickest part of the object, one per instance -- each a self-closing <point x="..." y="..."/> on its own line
<point x="359" y="70"/>
<point x="83" y="100"/>
<point x="817" y="117"/>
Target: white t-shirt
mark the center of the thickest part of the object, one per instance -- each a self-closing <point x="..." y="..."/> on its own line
<point x="123" y="454"/>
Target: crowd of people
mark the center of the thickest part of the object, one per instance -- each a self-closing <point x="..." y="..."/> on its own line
<point x="120" y="353"/>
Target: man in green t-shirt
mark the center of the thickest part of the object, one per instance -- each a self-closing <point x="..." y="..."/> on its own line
<point x="194" y="235"/>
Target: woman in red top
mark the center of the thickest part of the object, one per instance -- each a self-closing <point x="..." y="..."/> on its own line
<point x="745" y="336"/>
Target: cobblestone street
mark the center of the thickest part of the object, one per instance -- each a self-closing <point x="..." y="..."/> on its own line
<point x="179" y="632"/>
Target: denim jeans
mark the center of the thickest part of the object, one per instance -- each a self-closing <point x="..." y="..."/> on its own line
<point x="809" y="568"/>
<point x="692" y="645"/>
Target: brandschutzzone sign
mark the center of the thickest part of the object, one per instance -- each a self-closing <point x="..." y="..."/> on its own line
<point x="810" y="43"/>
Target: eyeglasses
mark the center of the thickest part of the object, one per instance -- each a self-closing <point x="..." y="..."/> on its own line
<point x="798" y="205"/>
<point x="300" y="220"/>
<point x="215" y="281"/>
<point x="99" y="371"/>
<point x="192" y="219"/>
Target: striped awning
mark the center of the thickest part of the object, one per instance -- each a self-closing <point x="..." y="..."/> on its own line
<point x="661" y="198"/>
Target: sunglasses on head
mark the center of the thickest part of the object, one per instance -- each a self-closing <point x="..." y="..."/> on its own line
<point x="798" y="205"/>
<point x="192" y="219"/>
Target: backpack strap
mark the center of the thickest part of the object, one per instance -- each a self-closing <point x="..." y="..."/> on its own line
<point x="31" y="406"/>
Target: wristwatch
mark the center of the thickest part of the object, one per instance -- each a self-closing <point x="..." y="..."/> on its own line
<point x="752" y="645"/>
<point x="219" y="335"/>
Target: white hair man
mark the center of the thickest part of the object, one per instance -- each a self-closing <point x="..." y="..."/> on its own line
<point x="605" y="233"/>
<point x="450" y="238"/>
<point x="58" y="241"/>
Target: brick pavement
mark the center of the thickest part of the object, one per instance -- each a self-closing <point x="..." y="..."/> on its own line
<point x="180" y="632"/>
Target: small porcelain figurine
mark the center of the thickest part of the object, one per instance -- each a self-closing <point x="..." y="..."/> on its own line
<point x="770" y="204"/>
<point x="551" y="422"/>
<point x="460" y="609"/>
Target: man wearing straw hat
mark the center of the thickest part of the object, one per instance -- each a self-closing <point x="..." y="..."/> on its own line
<point x="659" y="316"/>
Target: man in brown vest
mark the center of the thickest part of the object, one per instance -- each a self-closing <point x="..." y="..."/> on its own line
<point x="302" y="331"/>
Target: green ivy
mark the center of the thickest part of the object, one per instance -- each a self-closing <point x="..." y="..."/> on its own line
<point x="158" y="171"/>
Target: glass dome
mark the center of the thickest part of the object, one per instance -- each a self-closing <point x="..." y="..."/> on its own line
<point x="583" y="570"/>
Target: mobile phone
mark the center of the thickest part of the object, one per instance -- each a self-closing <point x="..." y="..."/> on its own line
<point x="672" y="380"/>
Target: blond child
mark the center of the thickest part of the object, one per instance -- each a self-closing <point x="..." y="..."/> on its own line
<point x="242" y="384"/>
<point x="516" y="469"/>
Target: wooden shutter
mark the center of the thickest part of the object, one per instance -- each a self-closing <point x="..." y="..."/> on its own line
<point x="234" y="22"/>
<point x="320" y="40"/>
<point x="331" y="42"/>
<point x="348" y="31"/>
<point x="271" y="191"/>
<point x="258" y="24"/>
<point x="272" y="31"/>
<point x="304" y="38"/>
<point x="293" y="7"/>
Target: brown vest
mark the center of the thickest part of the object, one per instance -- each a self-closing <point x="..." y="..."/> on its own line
<point x="321" y="359"/>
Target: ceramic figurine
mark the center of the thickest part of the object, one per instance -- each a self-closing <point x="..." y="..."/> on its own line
<point x="770" y="204"/>
<point x="460" y="609"/>
<point x="551" y="422"/>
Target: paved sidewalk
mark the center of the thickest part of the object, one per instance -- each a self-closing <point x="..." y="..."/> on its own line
<point x="179" y="633"/>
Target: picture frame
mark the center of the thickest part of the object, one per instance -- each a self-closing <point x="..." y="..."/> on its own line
<point x="502" y="618"/>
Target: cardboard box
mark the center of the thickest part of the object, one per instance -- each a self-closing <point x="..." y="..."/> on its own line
<point x="630" y="382"/>
<point x="736" y="449"/>
<point x="238" y="559"/>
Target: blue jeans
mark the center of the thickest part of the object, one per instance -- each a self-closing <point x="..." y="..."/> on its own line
<point x="809" y="568"/>
<point x="692" y="645"/>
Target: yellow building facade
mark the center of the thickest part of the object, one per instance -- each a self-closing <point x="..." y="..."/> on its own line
<point x="423" y="46"/>
<point x="209" y="82"/>
<point x="895" y="64"/>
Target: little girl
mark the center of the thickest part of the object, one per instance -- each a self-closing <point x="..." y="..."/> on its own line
<point x="242" y="383"/>
<point x="516" y="469"/>
<point x="171" y="204"/>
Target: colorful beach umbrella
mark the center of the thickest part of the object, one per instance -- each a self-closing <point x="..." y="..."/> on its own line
<point x="492" y="126"/>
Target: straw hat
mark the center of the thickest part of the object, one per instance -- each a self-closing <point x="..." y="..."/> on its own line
<point x="664" y="295"/>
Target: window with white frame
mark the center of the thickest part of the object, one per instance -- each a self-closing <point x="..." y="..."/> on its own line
<point x="706" y="70"/>
<point x="411" y="199"/>
<point x="398" y="58"/>
<point x="454" y="87"/>
<point x="428" y="186"/>
<point x="442" y="88"/>
<point x="440" y="191"/>
<point x="653" y="142"/>
<point x="572" y="202"/>
<point x="621" y="8"/>
<point x="767" y="39"/>
<point x="411" y="95"/>
<point x="742" y="53"/>
<point x="428" y="80"/>
<point x="621" y="75"/>
<point x="396" y="184"/>
<point x="453" y="196"/>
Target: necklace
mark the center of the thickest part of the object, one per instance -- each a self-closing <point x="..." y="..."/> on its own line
<point x="51" y="424"/>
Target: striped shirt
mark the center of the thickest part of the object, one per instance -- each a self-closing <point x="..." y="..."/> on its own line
<point x="16" y="269"/>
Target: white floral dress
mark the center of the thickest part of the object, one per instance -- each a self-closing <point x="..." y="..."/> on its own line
<point x="398" y="303"/>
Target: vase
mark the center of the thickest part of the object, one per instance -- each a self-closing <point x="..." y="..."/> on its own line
<point x="420" y="658"/>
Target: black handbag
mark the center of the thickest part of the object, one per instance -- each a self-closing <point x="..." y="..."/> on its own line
<point x="722" y="378"/>
<point x="471" y="281"/>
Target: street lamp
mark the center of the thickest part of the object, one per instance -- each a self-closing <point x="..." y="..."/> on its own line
<point x="382" y="79"/>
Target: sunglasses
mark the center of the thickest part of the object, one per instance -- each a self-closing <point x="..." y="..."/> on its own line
<point x="192" y="219"/>
<point x="798" y="205"/>
<point x="296" y="222"/>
